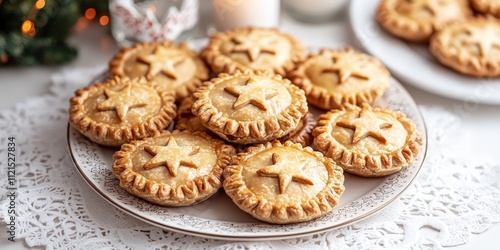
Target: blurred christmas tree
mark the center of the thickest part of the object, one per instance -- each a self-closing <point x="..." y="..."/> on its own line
<point x="34" y="32"/>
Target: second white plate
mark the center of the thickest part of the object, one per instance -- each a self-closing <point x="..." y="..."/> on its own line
<point x="414" y="64"/>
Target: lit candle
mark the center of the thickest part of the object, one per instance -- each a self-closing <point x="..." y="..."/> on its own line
<point x="230" y="14"/>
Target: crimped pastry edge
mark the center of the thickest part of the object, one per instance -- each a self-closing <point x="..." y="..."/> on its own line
<point x="188" y="193"/>
<point x="486" y="7"/>
<point x="302" y="134"/>
<point x="271" y="212"/>
<point x="115" y="135"/>
<point x="363" y="164"/>
<point x="405" y="28"/>
<point x="323" y="99"/>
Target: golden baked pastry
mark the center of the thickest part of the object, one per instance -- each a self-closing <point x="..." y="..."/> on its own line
<point x="417" y="20"/>
<point x="120" y="110"/>
<point x="284" y="183"/>
<point x="186" y="120"/>
<point x="248" y="107"/>
<point x="251" y="48"/>
<point x="336" y="77"/>
<point x="368" y="141"/>
<point x="302" y="134"/>
<point x="174" y="67"/>
<point x="471" y="48"/>
<point x="174" y="168"/>
<point x="488" y="7"/>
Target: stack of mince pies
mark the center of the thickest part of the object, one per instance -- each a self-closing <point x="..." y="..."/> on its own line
<point x="463" y="35"/>
<point x="237" y="116"/>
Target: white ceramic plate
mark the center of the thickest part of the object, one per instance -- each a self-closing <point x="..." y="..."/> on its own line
<point x="414" y="64"/>
<point x="219" y="218"/>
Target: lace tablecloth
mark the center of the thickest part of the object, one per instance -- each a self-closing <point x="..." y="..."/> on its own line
<point x="453" y="197"/>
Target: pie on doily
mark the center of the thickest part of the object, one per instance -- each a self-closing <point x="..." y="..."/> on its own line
<point x="120" y="110"/>
<point x="173" y="66"/>
<point x="368" y="141"/>
<point x="174" y="168"/>
<point x="336" y="77"/>
<point x="471" y="48"/>
<point x="283" y="183"/>
<point x="248" y="107"/>
<point x="417" y="20"/>
<point x="252" y="48"/>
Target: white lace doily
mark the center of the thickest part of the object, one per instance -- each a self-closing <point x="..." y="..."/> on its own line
<point x="452" y="198"/>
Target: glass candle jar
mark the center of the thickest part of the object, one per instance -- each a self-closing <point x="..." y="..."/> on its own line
<point x="151" y="20"/>
<point x="230" y="14"/>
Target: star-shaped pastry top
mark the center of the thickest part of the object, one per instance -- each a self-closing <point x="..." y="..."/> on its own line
<point x="121" y="101"/>
<point x="345" y="68"/>
<point x="485" y="38"/>
<point x="253" y="45"/>
<point x="367" y="124"/>
<point x="254" y="92"/>
<point x="286" y="172"/>
<point x="172" y="156"/>
<point x="162" y="61"/>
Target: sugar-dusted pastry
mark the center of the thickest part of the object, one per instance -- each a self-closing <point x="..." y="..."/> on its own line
<point x="248" y="107"/>
<point x="336" y="77"/>
<point x="417" y="20"/>
<point x="488" y="7"/>
<point x="120" y="110"/>
<point x="251" y="48"/>
<point x="174" y="67"/>
<point x="284" y="183"/>
<point x="368" y="141"/>
<point x="471" y="48"/>
<point x="174" y="168"/>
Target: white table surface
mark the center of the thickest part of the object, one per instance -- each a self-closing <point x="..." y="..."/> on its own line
<point x="96" y="46"/>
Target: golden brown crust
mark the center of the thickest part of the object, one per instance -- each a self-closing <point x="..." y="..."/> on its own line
<point x="108" y="126"/>
<point x="488" y="7"/>
<point x="368" y="141"/>
<point x="190" y="185"/>
<point x="186" y="120"/>
<point x="471" y="48"/>
<point x="266" y="106"/>
<point x="302" y="134"/>
<point x="174" y="67"/>
<point x="303" y="186"/>
<point x="334" y="78"/>
<point x="272" y="50"/>
<point x="417" y="20"/>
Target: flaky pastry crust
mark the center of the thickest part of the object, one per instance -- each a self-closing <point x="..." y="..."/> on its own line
<point x="334" y="78"/>
<point x="112" y="124"/>
<point x="197" y="177"/>
<point x="284" y="183"/>
<point x="417" y="20"/>
<point x="471" y="48"/>
<point x="487" y="7"/>
<point x="252" y="48"/>
<point x="174" y="66"/>
<point x="368" y="142"/>
<point x="249" y="107"/>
